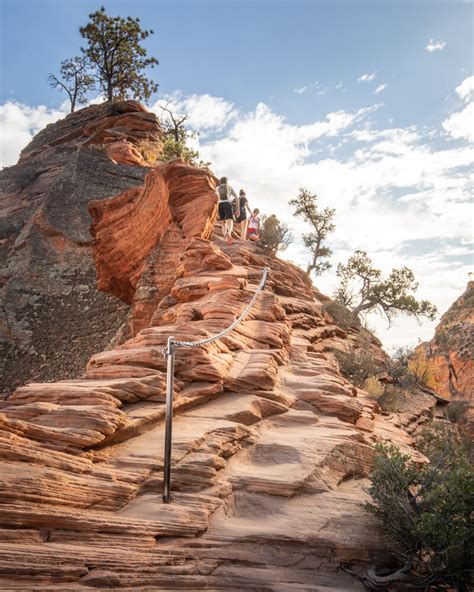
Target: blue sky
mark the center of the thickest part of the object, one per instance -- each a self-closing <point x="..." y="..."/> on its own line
<point x="365" y="103"/>
<point x="249" y="51"/>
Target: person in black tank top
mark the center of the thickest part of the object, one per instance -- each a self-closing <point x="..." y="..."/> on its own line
<point x="241" y="206"/>
<point x="224" y="208"/>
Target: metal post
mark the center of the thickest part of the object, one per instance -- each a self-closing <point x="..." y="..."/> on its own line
<point x="169" y="353"/>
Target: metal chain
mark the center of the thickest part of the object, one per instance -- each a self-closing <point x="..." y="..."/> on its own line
<point x="199" y="342"/>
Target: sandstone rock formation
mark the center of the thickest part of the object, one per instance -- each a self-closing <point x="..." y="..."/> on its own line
<point x="94" y="166"/>
<point x="272" y="447"/>
<point x="449" y="356"/>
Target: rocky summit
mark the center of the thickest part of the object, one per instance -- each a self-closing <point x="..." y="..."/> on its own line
<point x="106" y="253"/>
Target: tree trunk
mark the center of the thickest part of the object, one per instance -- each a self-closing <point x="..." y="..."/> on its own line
<point x="74" y="96"/>
<point x="362" y="307"/>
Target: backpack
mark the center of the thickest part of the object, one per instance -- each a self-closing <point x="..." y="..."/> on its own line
<point x="224" y="192"/>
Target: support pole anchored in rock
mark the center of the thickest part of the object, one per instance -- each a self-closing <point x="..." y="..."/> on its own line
<point x="169" y="352"/>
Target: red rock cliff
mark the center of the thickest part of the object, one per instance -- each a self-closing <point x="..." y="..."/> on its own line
<point x="83" y="201"/>
<point x="449" y="356"/>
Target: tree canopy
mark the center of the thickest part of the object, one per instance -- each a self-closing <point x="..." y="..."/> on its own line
<point x="306" y="207"/>
<point x="362" y="289"/>
<point x="115" y="51"/>
<point x="76" y="80"/>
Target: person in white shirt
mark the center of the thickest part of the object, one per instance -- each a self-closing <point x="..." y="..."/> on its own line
<point x="254" y="226"/>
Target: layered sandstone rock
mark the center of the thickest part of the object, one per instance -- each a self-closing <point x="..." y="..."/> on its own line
<point x="272" y="447"/>
<point x="83" y="201"/>
<point x="449" y="357"/>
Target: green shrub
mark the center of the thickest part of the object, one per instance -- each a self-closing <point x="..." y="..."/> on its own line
<point x="358" y="366"/>
<point x="173" y="149"/>
<point x="427" y="511"/>
<point x="439" y="440"/>
<point x="456" y="409"/>
<point x="391" y="399"/>
<point x="399" y="367"/>
<point x="441" y="338"/>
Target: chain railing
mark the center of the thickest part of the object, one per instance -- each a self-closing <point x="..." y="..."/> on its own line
<point x="168" y="352"/>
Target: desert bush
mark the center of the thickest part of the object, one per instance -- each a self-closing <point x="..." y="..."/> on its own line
<point x="343" y="317"/>
<point x="374" y="387"/>
<point x="441" y="338"/>
<point x="456" y="409"/>
<point x="390" y="399"/>
<point x="444" y="439"/>
<point x="409" y="370"/>
<point x="421" y="369"/>
<point x="427" y="510"/>
<point x="358" y="366"/>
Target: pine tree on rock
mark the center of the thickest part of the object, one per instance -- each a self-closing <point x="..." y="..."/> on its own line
<point x="362" y="289"/>
<point x="115" y="51"/>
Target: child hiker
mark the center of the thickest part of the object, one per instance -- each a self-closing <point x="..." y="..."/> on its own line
<point x="254" y="226"/>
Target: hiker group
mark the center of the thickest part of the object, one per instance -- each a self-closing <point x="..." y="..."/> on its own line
<point x="234" y="208"/>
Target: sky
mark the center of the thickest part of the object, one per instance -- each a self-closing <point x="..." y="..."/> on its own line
<point x="368" y="104"/>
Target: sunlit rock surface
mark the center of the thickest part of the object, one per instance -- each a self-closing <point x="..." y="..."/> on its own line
<point x="83" y="201"/>
<point x="450" y="354"/>
<point x="272" y="447"/>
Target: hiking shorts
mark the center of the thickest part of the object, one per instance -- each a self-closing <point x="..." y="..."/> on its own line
<point x="242" y="215"/>
<point x="225" y="210"/>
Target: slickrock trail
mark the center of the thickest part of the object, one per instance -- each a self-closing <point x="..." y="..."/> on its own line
<point x="268" y="459"/>
<point x="272" y="447"/>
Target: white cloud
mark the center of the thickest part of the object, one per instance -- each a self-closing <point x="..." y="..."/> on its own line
<point x="262" y="143"/>
<point x="263" y="151"/>
<point x="314" y="87"/>
<point x="461" y="125"/>
<point x="380" y="88"/>
<point x="466" y="88"/>
<point x="366" y="77"/>
<point x="393" y="188"/>
<point x="205" y="113"/>
<point x="435" y="45"/>
<point x="19" y="123"/>
<point x="339" y="84"/>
